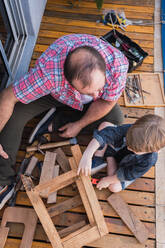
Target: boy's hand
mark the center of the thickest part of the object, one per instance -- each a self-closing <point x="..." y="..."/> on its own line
<point x="85" y="165"/>
<point x="104" y="183"/>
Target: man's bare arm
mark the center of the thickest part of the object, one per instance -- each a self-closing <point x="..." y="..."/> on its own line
<point x="96" y="111"/>
<point x="7" y="103"/>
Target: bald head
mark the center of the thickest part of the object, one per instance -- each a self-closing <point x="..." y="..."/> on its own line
<point x="80" y="64"/>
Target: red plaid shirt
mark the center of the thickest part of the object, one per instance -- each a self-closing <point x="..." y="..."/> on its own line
<point x="48" y="75"/>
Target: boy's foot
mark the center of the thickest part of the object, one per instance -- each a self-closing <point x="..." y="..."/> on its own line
<point x="5" y="194"/>
<point x="42" y="126"/>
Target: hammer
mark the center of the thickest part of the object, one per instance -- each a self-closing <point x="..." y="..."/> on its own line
<point x="72" y="141"/>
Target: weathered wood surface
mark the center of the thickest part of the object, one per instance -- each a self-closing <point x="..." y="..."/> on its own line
<point x="62" y="18"/>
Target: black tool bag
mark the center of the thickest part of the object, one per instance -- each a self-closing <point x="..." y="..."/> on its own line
<point x="134" y="53"/>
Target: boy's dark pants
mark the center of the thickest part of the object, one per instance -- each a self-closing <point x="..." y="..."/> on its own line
<point x="11" y="135"/>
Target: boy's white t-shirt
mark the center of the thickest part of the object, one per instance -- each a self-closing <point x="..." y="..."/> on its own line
<point x="86" y="99"/>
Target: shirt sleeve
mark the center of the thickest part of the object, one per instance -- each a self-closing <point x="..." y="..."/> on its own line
<point x="137" y="168"/>
<point x="111" y="135"/>
<point x="35" y="84"/>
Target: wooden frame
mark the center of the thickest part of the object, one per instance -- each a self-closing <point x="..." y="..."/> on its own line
<point x="96" y="227"/>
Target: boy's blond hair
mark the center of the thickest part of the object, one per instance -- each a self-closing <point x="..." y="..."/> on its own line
<point x="147" y="134"/>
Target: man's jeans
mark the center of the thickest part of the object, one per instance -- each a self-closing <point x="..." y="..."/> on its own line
<point x="11" y="135"/>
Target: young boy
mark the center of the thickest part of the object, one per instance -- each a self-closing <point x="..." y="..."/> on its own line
<point x="130" y="151"/>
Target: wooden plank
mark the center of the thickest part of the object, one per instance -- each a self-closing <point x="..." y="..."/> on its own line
<point x="3" y="235"/>
<point x="47" y="169"/>
<point x="89" y="4"/>
<point x="68" y="22"/>
<point x="62" y="160"/>
<point x="91" y="194"/>
<point x="53" y="7"/>
<point x="31" y="166"/>
<point x="56" y="183"/>
<point x="129" y="218"/>
<point x="120" y="241"/>
<point x="85" y="237"/>
<point x="72" y="235"/>
<point x="83" y="195"/>
<point x="115" y="225"/>
<point x="72" y="228"/>
<point x="56" y="32"/>
<point x="42" y="213"/>
<point x="61" y="207"/>
<point x="53" y="197"/>
<point x="144" y="213"/>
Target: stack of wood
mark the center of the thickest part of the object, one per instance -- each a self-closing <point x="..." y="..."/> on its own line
<point x="58" y="172"/>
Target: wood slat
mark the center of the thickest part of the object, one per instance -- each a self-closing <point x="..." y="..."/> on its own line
<point x="144" y="213"/>
<point x="92" y="4"/>
<point x="119" y="241"/>
<point x="57" y="8"/>
<point x="114" y="225"/>
<point x="86" y="24"/>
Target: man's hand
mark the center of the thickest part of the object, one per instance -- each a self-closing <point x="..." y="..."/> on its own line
<point x="70" y="130"/>
<point x="3" y="153"/>
<point x="85" y="165"/>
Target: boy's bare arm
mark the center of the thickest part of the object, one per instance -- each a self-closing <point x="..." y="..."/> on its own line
<point x="86" y="160"/>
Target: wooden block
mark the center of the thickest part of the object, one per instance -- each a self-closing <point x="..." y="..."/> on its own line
<point x="47" y="169"/>
<point x="129" y="218"/>
<point x="3" y="235"/>
<point x="52" y="197"/>
<point x="62" y="160"/>
<point x="22" y="215"/>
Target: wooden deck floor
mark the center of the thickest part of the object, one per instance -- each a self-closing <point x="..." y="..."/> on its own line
<point x="62" y="18"/>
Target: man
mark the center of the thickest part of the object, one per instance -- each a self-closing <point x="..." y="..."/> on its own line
<point x="75" y="70"/>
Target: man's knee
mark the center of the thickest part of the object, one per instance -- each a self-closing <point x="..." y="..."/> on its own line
<point x="115" y="187"/>
<point x="115" y="116"/>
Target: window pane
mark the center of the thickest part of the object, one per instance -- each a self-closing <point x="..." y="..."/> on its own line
<point x="3" y="73"/>
<point x="6" y="35"/>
